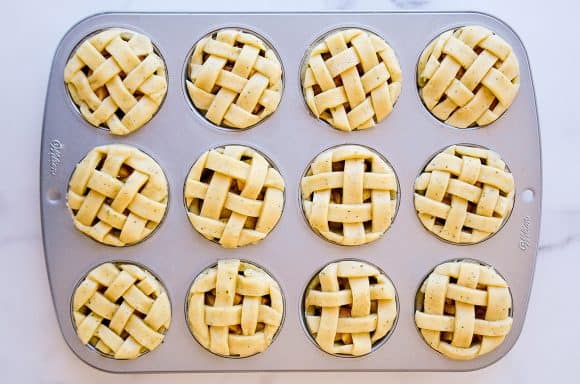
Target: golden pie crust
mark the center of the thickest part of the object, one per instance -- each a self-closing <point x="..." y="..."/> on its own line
<point x="349" y="195"/>
<point x="350" y="307"/>
<point x="122" y="310"/>
<point x="351" y="79"/>
<point x="234" y="196"/>
<point x="116" y="80"/>
<point x="234" y="309"/>
<point x="465" y="194"/>
<point x="468" y="76"/>
<point x="464" y="309"/>
<point x="117" y="195"/>
<point x="234" y="78"/>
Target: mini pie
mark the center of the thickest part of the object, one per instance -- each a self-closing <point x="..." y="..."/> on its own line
<point x="234" y="196"/>
<point x="117" y="195"/>
<point x="234" y="309"/>
<point x="464" y="194"/>
<point x="350" y="306"/>
<point x="234" y="78"/>
<point x="349" y="195"/>
<point x="464" y="310"/>
<point x="121" y="310"/>
<point x="468" y="76"/>
<point x="352" y="79"/>
<point x="117" y="80"/>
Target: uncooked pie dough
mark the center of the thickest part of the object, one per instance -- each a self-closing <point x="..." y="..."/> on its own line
<point x="468" y="76"/>
<point x="122" y="310"/>
<point x="463" y="309"/>
<point x="349" y="195"/>
<point x="117" y="195"/>
<point x="464" y="194"/>
<point x="234" y="196"/>
<point x="234" y="78"/>
<point x="117" y="80"/>
<point x="350" y="306"/>
<point x="351" y="79"/>
<point x="234" y="309"/>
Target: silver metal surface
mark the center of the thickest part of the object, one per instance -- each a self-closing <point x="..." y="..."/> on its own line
<point x="291" y="137"/>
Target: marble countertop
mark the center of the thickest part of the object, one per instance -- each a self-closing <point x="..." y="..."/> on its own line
<point x="33" y="349"/>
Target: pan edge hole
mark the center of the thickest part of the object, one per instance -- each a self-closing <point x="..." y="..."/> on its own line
<point x="528" y="195"/>
<point x="53" y="195"/>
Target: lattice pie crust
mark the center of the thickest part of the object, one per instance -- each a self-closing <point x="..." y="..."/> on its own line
<point x="121" y="310"/>
<point x="349" y="195"/>
<point x="234" y="78"/>
<point x="117" y="195"/>
<point x="464" y="310"/>
<point x="117" y="80"/>
<point x="464" y="194"/>
<point x="234" y="309"/>
<point x="234" y="196"/>
<point x="468" y="76"/>
<point x="352" y="79"/>
<point x="350" y="306"/>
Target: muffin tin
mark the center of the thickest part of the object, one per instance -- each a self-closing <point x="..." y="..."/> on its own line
<point x="291" y="137"/>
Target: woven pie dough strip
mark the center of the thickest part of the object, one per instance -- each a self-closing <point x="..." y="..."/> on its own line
<point x="448" y="319"/>
<point x="125" y="77"/>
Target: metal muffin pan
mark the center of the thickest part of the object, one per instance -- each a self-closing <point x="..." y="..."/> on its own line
<point x="291" y="138"/>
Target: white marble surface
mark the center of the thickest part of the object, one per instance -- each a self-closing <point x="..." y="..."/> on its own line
<point x="32" y="349"/>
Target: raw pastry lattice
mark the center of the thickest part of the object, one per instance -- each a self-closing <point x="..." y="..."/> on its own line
<point x="349" y="195"/>
<point x="350" y="307"/>
<point x="352" y="79"/>
<point x="464" y="194"/>
<point x="121" y="310"/>
<point x="464" y="310"/>
<point x="117" y="80"/>
<point x="117" y="195"/>
<point x="468" y="76"/>
<point x="235" y="309"/>
<point x="234" y="78"/>
<point x="234" y="196"/>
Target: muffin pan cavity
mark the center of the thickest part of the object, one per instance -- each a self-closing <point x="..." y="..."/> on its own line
<point x="117" y="79"/>
<point x="121" y="310"/>
<point x="234" y="78"/>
